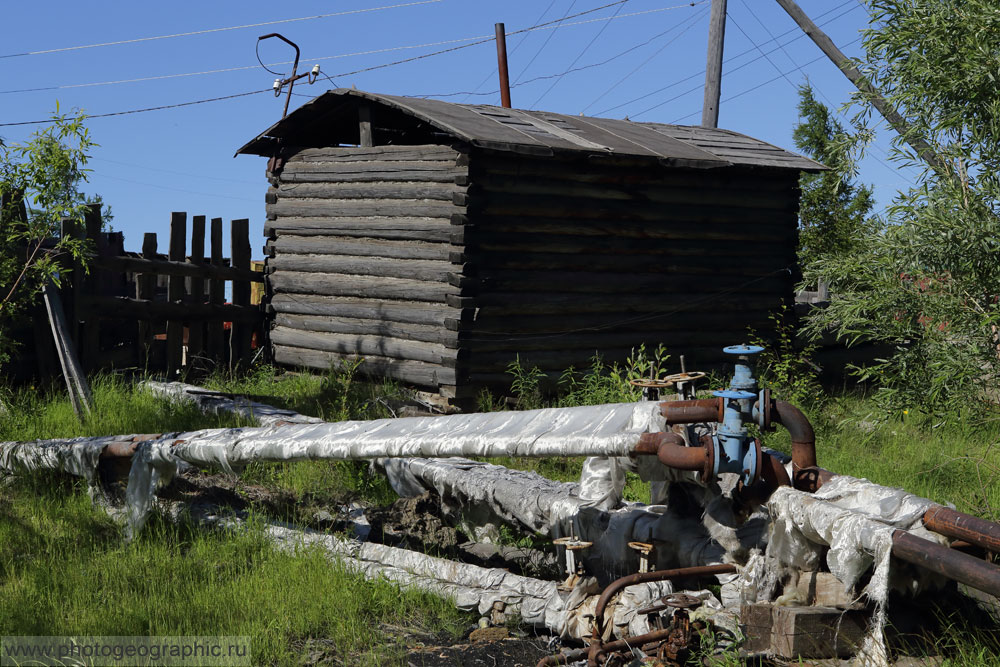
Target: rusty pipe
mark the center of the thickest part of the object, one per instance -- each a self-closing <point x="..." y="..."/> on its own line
<point x="645" y="577"/>
<point x="569" y="657"/>
<point x="950" y="563"/>
<point x="803" y="437"/>
<point x="671" y="451"/>
<point x="597" y="650"/>
<point x="693" y="412"/>
<point x="960" y="526"/>
<point x="772" y="476"/>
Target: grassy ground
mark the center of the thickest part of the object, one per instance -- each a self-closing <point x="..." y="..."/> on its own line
<point x="64" y="567"/>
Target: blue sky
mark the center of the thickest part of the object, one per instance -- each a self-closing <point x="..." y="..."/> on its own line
<point x="642" y="59"/>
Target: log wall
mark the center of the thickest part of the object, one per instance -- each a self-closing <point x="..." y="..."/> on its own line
<point x="440" y="265"/>
<point x="361" y="248"/>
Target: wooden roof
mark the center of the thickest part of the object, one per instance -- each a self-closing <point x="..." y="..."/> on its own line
<point x="332" y="119"/>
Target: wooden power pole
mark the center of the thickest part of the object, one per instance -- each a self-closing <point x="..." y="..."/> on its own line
<point x="823" y="41"/>
<point x="713" y="68"/>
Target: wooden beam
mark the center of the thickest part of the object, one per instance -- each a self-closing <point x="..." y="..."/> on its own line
<point x="196" y="330"/>
<point x="365" y="126"/>
<point x="175" y="292"/>
<point x="713" y="66"/>
<point x="861" y="82"/>
<point x="242" y="333"/>
<point x="216" y="292"/>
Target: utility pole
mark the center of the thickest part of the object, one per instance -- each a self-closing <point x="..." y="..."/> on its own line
<point x="823" y="41"/>
<point x="501" y="33"/>
<point x="713" y="68"/>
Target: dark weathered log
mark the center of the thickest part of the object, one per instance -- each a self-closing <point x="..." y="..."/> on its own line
<point x="601" y="340"/>
<point x="488" y="327"/>
<point x="661" y="193"/>
<point x="361" y="207"/>
<point x="349" y="344"/>
<point x="582" y="358"/>
<point x="523" y="303"/>
<point x="360" y="286"/>
<point x="385" y="153"/>
<point x="136" y="309"/>
<point x="343" y="245"/>
<point x="366" y="266"/>
<point x="651" y="284"/>
<point x="175" y="293"/>
<point x="178" y="268"/>
<point x="371" y="167"/>
<point x="429" y="333"/>
<point x="540" y="206"/>
<point x="414" y="372"/>
<point x="775" y="230"/>
<point x="368" y="191"/>
<point x="738" y="264"/>
<point x="367" y="309"/>
<point x="481" y="241"/>
<point x="403" y="228"/>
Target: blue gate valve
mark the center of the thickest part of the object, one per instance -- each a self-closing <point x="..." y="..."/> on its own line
<point x="733" y="448"/>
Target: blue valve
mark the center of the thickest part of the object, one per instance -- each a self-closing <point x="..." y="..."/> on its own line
<point x="732" y="443"/>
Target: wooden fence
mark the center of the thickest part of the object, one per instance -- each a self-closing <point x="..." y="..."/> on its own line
<point x="164" y="312"/>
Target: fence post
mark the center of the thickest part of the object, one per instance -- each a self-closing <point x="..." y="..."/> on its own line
<point x="196" y="329"/>
<point x="242" y="332"/>
<point x="145" y="290"/>
<point x="216" y="296"/>
<point x="175" y="294"/>
<point x="90" y="338"/>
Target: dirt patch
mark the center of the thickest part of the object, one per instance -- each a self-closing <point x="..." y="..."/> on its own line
<point x="490" y="649"/>
<point x="414" y="522"/>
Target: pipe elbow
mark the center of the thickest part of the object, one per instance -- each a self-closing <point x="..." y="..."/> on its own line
<point x="803" y="437"/>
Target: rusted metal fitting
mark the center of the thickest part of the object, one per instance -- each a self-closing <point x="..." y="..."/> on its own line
<point x="693" y="412"/>
<point x="645" y="551"/>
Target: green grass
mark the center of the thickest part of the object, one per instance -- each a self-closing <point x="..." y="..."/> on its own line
<point x="66" y="570"/>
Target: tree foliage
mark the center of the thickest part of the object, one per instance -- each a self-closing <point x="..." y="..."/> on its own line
<point x="39" y="188"/>
<point x="925" y="277"/>
<point x="832" y="208"/>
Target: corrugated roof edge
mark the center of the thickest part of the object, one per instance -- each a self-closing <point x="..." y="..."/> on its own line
<point x="676" y="146"/>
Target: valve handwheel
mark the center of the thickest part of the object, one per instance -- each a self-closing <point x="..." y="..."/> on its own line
<point x="693" y="376"/>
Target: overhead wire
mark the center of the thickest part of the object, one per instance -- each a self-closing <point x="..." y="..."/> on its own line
<point x="472" y="41"/>
<point x="559" y="78"/>
<point x="547" y="40"/>
<point x="732" y="58"/>
<point x="692" y="21"/>
<point x="214" y="30"/>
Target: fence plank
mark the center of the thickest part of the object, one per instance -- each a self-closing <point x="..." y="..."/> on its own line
<point x="145" y="289"/>
<point x="90" y="337"/>
<point x="196" y="330"/>
<point x="175" y="293"/>
<point x="216" y="293"/>
<point x="242" y="333"/>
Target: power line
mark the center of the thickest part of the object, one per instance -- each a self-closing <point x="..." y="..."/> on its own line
<point x="143" y="110"/>
<point x="579" y="55"/>
<point x="475" y="41"/>
<point x="214" y="30"/>
<point x="546" y="43"/>
<point x="692" y="22"/>
<point x="468" y="93"/>
<point x="730" y="59"/>
<point x="751" y="89"/>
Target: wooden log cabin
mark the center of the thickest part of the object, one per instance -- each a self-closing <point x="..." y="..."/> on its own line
<point x="439" y="241"/>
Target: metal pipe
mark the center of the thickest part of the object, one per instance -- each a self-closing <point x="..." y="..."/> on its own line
<point x="960" y="526"/>
<point x="693" y="412"/>
<point x="670" y="449"/>
<point x="501" y="34"/>
<point x="598" y="650"/>
<point x="803" y="437"/>
<point x="950" y="563"/>
<point x="656" y="575"/>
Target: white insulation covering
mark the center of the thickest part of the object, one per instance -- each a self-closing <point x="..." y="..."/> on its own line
<point x="855" y="519"/>
<point x="488" y="591"/>
<point x="215" y="402"/>
<point x="78" y="456"/>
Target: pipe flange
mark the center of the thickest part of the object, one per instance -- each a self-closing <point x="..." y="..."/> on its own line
<point x="751" y="475"/>
<point x="709" y="444"/>
<point x="765" y="406"/>
<point x="736" y="394"/>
